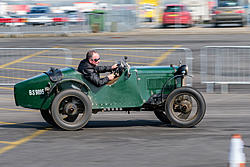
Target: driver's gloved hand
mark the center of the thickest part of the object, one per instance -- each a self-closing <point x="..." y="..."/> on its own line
<point x="111" y="76"/>
<point x="114" y="66"/>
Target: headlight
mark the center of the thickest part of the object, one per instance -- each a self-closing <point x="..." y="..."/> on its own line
<point x="182" y="70"/>
<point x="186" y="69"/>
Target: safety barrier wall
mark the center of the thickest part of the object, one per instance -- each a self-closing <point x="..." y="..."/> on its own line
<point x="18" y="64"/>
<point x="224" y="65"/>
<point x="155" y="57"/>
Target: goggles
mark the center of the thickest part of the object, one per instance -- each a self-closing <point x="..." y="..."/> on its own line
<point x="96" y="60"/>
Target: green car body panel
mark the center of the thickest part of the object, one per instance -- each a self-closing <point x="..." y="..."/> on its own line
<point x="132" y="89"/>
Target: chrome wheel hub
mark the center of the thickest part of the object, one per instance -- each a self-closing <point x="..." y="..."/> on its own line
<point x="71" y="109"/>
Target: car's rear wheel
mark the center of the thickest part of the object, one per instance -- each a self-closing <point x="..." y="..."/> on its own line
<point x="71" y="109"/>
<point x="48" y="117"/>
<point x="185" y="107"/>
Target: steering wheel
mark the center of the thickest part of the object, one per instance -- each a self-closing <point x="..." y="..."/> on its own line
<point x="122" y="66"/>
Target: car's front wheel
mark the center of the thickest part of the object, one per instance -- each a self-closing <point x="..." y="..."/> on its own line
<point x="185" y="107"/>
<point x="161" y="115"/>
<point x="71" y="109"/>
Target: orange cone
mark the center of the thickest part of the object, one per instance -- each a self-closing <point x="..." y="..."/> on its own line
<point x="237" y="157"/>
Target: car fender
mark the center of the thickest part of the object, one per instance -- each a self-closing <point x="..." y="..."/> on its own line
<point x="64" y="84"/>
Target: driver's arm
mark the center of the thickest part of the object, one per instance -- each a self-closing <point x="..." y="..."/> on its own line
<point x="101" y="69"/>
<point x="96" y="80"/>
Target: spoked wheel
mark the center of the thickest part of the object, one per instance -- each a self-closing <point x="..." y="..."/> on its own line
<point x="48" y="117"/>
<point x="71" y="109"/>
<point x="185" y="107"/>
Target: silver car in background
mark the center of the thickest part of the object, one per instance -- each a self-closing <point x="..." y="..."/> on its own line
<point x="229" y="12"/>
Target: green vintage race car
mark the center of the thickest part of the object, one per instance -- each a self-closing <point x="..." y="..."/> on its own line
<point x="66" y="99"/>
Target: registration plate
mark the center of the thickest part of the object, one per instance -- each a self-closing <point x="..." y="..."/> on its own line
<point x="173" y="15"/>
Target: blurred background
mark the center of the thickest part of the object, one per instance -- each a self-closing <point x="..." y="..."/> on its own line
<point x="39" y="16"/>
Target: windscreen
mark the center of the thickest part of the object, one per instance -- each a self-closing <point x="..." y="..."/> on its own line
<point x="173" y="9"/>
<point x="228" y="3"/>
<point x="39" y="10"/>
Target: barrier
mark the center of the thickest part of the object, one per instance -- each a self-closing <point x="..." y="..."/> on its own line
<point x="120" y="21"/>
<point x="157" y="57"/>
<point x="113" y="20"/>
<point x="224" y="65"/>
<point x="43" y="24"/>
<point x="18" y="64"/>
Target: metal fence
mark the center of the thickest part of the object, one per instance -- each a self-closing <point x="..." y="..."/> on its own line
<point x="120" y="21"/>
<point x="18" y="64"/>
<point x="41" y="29"/>
<point x="112" y="21"/>
<point x="225" y="65"/>
<point x="150" y="57"/>
<point x="50" y="24"/>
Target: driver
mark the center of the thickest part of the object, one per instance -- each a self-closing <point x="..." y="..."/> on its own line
<point x="90" y="69"/>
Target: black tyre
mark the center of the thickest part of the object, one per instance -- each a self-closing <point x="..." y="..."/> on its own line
<point x="71" y="109"/>
<point x="242" y="24"/>
<point x="185" y="107"/>
<point x="48" y="117"/>
<point x="164" y="25"/>
<point x="161" y="115"/>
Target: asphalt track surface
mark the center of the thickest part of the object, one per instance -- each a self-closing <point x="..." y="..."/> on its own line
<point x="119" y="138"/>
